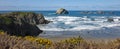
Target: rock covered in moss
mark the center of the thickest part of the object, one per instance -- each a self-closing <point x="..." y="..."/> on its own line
<point x="5" y="20"/>
<point x="26" y="17"/>
<point x="22" y="23"/>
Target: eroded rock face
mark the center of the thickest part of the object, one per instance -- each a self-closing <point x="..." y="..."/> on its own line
<point x="22" y="23"/>
<point x="62" y="11"/>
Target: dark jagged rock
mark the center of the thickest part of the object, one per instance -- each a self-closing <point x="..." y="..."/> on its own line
<point x="62" y="11"/>
<point x="118" y="19"/>
<point x="22" y="23"/>
<point x="110" y="20"/>
<point x="21" y="30"/>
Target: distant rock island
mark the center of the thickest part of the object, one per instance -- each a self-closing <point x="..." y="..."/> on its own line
<point x="96" y="12"/>
<point x="62" y="11"/>
<point x="22" y="23"/>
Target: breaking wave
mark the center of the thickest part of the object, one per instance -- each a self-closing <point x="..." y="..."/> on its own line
<point x="69" y="23"/>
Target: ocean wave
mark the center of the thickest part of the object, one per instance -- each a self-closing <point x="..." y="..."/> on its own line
<point x="67" y="23"/>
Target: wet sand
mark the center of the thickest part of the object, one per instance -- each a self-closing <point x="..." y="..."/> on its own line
<point x="87" y="37"/>
<point x="103" y="34"/>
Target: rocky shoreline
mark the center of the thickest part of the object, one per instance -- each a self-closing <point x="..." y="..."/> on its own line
<point x="22" y="23"/>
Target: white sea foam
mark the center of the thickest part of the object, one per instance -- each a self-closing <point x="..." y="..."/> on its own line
<point x="67" y="23"/>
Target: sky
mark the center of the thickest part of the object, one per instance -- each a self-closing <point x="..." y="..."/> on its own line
<point x="56" y="4"/>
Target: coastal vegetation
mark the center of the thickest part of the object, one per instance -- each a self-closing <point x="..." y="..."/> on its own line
<point x="30" y="42"/>
<point x="5" y="20"/>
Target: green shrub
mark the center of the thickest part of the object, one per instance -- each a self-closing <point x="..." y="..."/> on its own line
<point x="5" y="20"/>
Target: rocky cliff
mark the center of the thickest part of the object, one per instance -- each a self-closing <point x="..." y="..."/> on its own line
<point x="22" y="23"/>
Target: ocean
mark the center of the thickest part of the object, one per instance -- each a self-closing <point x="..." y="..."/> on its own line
<point x="78" y="20"/>
<point x="81" y="13"/>
<point x="88" y="24"/>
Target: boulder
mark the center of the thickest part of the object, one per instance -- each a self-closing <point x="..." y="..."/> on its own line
<point x="110" y="20"/>
<point x="62" y="11"/>
<point x="22" y="23"/>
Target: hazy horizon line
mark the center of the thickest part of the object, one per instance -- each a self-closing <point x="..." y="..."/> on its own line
<point x="56" y="10"/>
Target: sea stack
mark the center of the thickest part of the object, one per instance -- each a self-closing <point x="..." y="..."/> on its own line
<point x="62" y="11"/>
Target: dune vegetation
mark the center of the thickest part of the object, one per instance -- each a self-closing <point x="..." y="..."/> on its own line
<point x="30" y="42"/>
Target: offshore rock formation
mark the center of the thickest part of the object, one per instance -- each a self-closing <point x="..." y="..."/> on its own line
<point x="62" y="11"/>
<point x="96" y="12"/>
<point x="22" y="23"/>
<point x="110" y="20"/>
